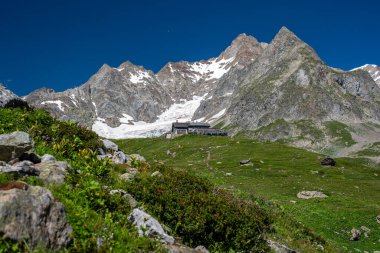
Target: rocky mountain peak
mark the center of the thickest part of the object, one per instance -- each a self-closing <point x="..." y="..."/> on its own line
<point x="243" y="47"/>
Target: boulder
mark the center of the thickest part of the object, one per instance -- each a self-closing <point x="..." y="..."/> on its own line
<point x="46" y="158"/>
<point x="20" y="169"/>
<point x="310" y="195"/>
<point x="244" y="162"/>
<point x="34" y="216"/>
<point x="328" y="161"/>
<point x="110" y="146"/>
<point x="378" y="219"/>
<point x="355" y="234"/>
<point x="127" y="176"/>
<point x="106" y="156"/>
<point x="52" y="172"/>
<point x="148" y="226"/>
<point x="136" y="157"/>
<point x="15" y="144"/>
<point x="119" y="158"/>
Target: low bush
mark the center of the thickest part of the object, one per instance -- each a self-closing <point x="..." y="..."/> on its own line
<point x="202" y="214"/>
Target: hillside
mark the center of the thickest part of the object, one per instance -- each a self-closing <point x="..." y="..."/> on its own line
<point x="277" y="174"/>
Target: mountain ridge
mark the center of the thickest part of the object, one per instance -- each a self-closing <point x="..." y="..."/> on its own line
<point x="250" y="85"/>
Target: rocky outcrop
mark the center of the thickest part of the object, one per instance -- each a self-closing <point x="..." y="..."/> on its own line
<point x="148" y="226"/>
<point x="5" y="95"/>
<point x="15" y="144"/>
<point x="34" y="216"/>
<point x="52" y="172"/>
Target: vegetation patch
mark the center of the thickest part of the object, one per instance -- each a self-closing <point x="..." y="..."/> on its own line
<point x="340" y="132"/>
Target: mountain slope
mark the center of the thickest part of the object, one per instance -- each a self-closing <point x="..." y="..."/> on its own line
<point x="373" y="70"/>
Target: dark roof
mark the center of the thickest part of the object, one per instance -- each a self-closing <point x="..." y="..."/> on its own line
<point x="181" y="125"/>
<point x="199" y="124"/>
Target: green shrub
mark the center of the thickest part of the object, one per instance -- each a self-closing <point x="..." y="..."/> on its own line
<point x="200" y="213"/>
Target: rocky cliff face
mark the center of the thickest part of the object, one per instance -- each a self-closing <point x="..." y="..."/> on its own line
<point x="249" y="87"/>
<point x="5" y="95"/>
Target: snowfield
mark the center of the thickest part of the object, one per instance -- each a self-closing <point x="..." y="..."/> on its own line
<point x="129" y="128"/>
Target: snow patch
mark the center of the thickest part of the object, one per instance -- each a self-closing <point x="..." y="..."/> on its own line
<point x="74" y="100"/>
<point x="213" y="69"/>
<point x="182" y="111"/>
<point x="139" y="77"/>
<point x="57" y="102"/>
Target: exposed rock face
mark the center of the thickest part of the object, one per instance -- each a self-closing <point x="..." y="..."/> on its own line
<point x="5" y="95"/>
<point x="35" y="216"/>
<point x="148" y="226"/>
<point x="15" y="144"/>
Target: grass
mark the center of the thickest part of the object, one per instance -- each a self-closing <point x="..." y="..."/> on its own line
<point x="340" y="132"/>
<point x="278" y="173"/>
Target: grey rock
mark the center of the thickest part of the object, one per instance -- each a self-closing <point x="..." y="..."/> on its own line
<point x="119" y="157"/>
<point x="310" y="195"/>
<point x="355" y="234"/>
<point x="20" y="169"/>
<point x="136" y="157"/>
<point x="15" y="144"/>
<point x="127" y="176"/>
<point x="46" y="158"/>
<point x="52" y="172"/>
<point x="5" y="95"/>
<point x="279" y="248"/>
<point x="373" y="70"/>
<point x="156" y="174"/>
<point x="110" y="146"/>
<point x="34" y="216"/>
<point x="148" y="226"/>
<point x="378" y="219"/>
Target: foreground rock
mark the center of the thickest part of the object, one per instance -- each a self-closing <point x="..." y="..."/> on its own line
<point x="52" y="172"/>
<point x="119" y="158"/>
<point x="148" y="226"/>
<point x="110" y="146"/>
<point x="311" y="195"/>
<point x="34" y="216"/>
<point x="20" y="169"/>
<point x="15" y="144"/>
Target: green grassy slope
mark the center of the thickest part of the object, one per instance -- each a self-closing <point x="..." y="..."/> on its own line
<point x="278" y="173"/>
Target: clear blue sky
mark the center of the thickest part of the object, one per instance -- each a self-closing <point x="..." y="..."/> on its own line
<point x="61" y="43"/>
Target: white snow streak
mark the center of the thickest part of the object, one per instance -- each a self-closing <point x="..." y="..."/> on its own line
<point x="139" y="77"/>
<point x="57" y="102"/>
